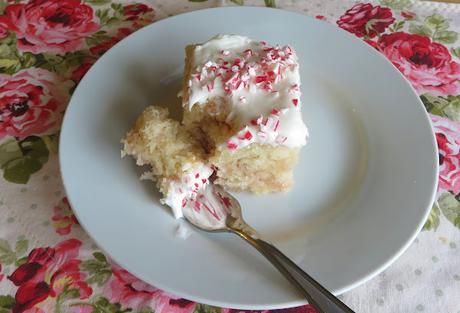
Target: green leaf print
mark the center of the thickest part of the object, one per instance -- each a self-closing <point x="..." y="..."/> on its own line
<point x="20" y="261"/>
<point x="443" y="106"/>
<point x="9" y="150"/>
<point x="204" y="308"/>
<point x="432" y="222"/>
<point x="455" y="52"/>
<point x="60" y="64"/>
<point x="450" y="208"/>
<point x="100" y="278"/>
<point x="21" y="246"/>
<point x="97" y="2"/>
<point x="18" y="171"/>
<point x="397" y="4"/>
<point x="9" y="60"/>
<point x="10" y="39"/>
<point x="445" y="37"/>
<point x="108" y="18"/>
<point x="103" y="15"/>
<point x="100" y="257"/>
<point x="6" y="303"/>
<point x="27" y="60"/>
<point x="3" y="5"/>
<point x="53" y="58"/>
<point x="98" y="268"/>
<point x="102" y="305"/>
<point x="9" y="256"/>
<point x="397" y="26"/>
<point x="66" y="294"/>
<point x="116" y="7"/>
<point x="25" y="158"/>
<point x="436" y="22"/>
<point x="52" y="142"/>
<point x="97" y="38"/>
<point x="422" y="30"/>
<point x="270" y="3"/>
<point x="436" y="27"/>
<point x="145" y="310"/>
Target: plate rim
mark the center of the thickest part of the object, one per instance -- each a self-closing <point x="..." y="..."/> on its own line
<point x="359" y="281"/>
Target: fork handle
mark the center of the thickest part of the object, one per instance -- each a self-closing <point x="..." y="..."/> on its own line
<point x="319" y="297"/>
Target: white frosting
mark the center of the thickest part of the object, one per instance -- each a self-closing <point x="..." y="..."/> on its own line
<point x="268" y="130"/>
<point x="206" y="210"/>
<point x="261" y="86"/>
<point x="255" y="80"/>
<point x="187" y="187"/>
<point x="193" y="196"/>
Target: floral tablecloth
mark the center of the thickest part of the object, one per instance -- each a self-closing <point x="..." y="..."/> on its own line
<point x="49" y="264"/>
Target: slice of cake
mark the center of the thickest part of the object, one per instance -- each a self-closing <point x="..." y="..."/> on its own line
<point x="242" y="126"/>
<point x="241" y="100"/>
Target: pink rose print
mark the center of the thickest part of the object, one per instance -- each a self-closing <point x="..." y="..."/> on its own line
<point x="364" y="19"/>
<point x="408" y="15"/>
<point x="133" y="293"/>
<point x="372" y="43"/>
<point x="448" y="138"/>
<point x="171" y="304"/>
<point x="321" y="17"/>
<point x="46" y="274"/>
<point x="80" y="71"/>
<point x="1" y="275"/>
<point x="3" y="31"/>
<point x="30" y="102"/>
<point x="133" y="11"/>
<point x="130" y="291"/>
<point x="63" y="217"/>
<point x="53" y="26"/>
<point x="428" y="65"/>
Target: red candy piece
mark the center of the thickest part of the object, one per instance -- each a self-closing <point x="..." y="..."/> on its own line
<point x="277" y="125"/>
<point x="260" y="79"/>
<point x="248" y="135"/>
<point x="232" y="145"/>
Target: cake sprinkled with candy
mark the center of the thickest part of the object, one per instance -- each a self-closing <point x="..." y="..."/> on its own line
<point x="242" y="98"/>
<point x="242" y="120"/>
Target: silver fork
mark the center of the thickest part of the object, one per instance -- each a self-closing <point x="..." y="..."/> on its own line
<point x="231" y="220"/>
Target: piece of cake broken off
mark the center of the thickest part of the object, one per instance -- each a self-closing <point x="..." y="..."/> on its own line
<point x="177" y="161"/>
<point x="242" y="102"/>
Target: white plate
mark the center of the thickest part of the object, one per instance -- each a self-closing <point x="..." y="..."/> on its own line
<point x="363" y="188"/>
